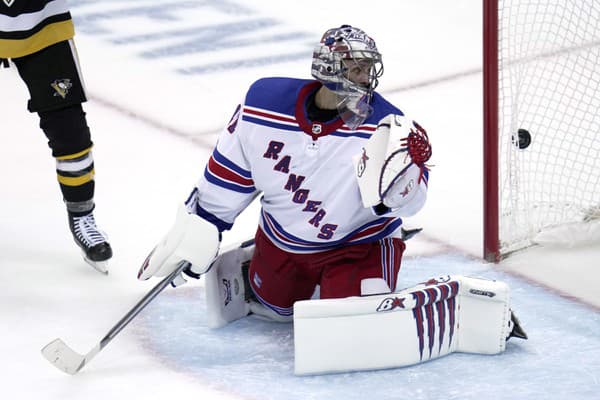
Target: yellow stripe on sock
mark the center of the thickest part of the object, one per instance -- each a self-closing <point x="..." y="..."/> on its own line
<point x="76" y="181"/>
<point x="76" y="155"/>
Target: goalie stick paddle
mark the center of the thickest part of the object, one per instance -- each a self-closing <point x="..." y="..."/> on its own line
<point x="59" y="354"/>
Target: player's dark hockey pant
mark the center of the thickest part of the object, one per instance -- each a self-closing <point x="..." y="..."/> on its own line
<point x="279" y="278"/>
<point x="56" y="89"/>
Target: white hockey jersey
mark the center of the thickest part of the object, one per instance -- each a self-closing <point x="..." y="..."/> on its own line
<point x="303" y="169"/>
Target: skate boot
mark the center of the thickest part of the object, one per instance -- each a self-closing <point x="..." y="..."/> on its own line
<point x="93" y="242"/>
<point x="515" y="327"/>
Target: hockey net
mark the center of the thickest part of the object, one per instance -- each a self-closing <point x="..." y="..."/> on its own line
<point x="547" y="92"/>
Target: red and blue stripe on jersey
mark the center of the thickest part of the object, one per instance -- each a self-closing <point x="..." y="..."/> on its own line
<point x="369" y="232"/>
<point x="223" y="172"/>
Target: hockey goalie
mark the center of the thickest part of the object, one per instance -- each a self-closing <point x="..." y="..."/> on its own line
<point x="337" y="168"/>
<point x="377" y="327"/>
<point x="435" y="318"/>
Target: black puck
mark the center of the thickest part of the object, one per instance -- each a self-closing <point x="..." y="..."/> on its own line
<point x="524" y="139"/>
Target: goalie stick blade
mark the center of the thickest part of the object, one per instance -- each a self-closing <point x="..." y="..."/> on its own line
<point x="63" y="357"/>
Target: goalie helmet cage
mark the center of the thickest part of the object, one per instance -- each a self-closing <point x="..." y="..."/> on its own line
<point x="541" y="95"/>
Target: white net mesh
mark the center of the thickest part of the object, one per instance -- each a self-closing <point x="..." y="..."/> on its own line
<point x="549" y="85"/>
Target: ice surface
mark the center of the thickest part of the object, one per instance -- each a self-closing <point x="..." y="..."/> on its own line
<point x="153" y="126"/>
<point x="254" y="358"/>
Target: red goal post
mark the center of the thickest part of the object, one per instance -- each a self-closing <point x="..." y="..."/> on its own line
<point x="541" y="109"/>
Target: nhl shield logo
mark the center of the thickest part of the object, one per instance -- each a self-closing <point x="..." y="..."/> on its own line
<point x="317" y="128"/>
<point x="9" y="2"/>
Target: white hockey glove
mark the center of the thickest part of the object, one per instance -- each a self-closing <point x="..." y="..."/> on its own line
<point x="392" y="162"/>
<point x="192" y="239"/>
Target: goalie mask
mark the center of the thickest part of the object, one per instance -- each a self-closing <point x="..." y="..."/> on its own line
<point x="347" y="62"/>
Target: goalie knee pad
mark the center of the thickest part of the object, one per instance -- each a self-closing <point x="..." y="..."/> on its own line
<point x="371" y="286"/>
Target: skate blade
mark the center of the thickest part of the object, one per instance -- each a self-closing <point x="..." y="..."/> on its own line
<point x="100" y="266"/>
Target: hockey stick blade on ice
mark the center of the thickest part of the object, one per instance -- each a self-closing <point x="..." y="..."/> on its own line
<point x="59" y="354"/>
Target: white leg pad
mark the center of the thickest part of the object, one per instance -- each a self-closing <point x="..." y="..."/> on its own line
<point x="399" y="329"/>
<point x="225" y="289"/>
<point x="483" y="316"/>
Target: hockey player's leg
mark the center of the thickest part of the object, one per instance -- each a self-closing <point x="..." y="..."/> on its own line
<point x="69" y="138"/>
<point x="57" y="91"/>
<point x="278" y="279"/>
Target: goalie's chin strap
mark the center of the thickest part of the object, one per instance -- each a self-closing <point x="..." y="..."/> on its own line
<point x="419" y="148"/>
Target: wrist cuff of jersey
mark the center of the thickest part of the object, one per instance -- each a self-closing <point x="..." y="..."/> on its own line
<point x="219" y="223"/>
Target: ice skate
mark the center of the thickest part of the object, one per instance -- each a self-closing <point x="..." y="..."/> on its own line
<point x="93" y="242"/>
<point x="516" y="330"/>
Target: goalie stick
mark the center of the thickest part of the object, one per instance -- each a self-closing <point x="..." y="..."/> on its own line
<point x="59" y="354"/>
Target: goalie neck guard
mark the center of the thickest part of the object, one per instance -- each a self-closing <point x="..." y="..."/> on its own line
<point x="340" y="52"/>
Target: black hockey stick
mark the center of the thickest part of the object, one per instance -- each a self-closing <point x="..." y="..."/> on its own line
<point x="67" y="360"/>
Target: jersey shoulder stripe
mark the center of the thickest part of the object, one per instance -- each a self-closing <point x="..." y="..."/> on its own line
<point x="270" y="123"/>
<point x="267" y="115"/>
<point x="274" y="102"/>
<point x="270" y="119"/>
<point x="281" y="121"/>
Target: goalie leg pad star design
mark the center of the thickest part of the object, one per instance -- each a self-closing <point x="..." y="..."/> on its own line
<point x="428" y="321"/>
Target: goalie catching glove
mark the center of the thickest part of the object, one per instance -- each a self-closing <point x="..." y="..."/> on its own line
<point x="392" y="164"/>
<point x="191" y="239"/>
